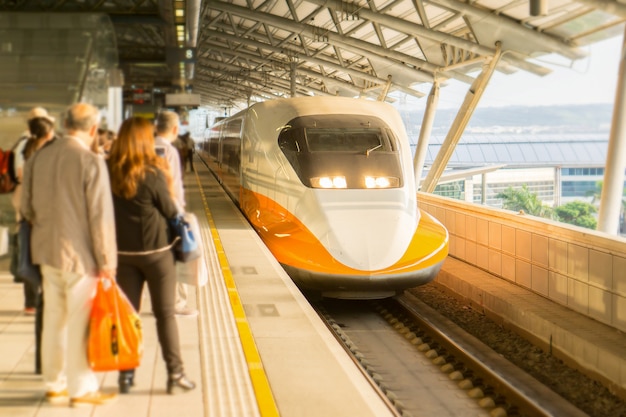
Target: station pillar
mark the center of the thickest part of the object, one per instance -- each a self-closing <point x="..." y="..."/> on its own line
<point x="115" y="100"/>
<point x="612" y="189"/>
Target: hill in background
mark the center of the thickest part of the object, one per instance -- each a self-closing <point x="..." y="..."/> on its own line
<point x="522" y="119"/>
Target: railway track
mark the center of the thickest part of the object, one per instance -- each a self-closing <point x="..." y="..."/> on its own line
<point x="426" y="365"/>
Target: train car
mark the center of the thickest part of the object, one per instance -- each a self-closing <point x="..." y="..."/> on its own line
<point x="328" y="184"/>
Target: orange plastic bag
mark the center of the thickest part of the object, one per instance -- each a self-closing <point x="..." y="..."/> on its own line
<point x="115" y="336"/>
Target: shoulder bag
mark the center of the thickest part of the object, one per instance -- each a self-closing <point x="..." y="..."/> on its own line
<point x="185" y="245"/>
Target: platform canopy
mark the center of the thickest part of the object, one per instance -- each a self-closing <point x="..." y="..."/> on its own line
<point x="232" y="52"/>
<point x="256" y="50"/>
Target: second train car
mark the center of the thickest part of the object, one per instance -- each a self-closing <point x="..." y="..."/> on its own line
<point x="328" y="184"/>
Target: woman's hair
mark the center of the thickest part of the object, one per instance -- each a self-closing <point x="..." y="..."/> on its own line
<point x="132" y="154"/>
<point x="40" y="128"/>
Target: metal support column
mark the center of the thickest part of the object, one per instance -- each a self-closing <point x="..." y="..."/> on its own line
<point x="115" y="101"/>
<point x="460" y="122"/>
<point x="557" y="186"/>
<point x="427" y="126"/>
<point x="469" y="190"/>
<point x="292" y="78"/>
<point x="483" y="189"/>
<point x="383" y="93"/>
<point x="612" y="189"/>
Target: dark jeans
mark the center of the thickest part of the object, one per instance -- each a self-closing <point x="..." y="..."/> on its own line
<point x="158" y="272"/>
<point x="38" y="330"/>
<point x="31" y="293"/>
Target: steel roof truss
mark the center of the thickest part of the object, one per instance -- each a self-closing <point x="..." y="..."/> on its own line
<point x="248" y="89"/>
<point x="560" y="46"/>
<point x="301" y="70"/>
<point x="292" y="10"/>
<point x="354" y="45"/>
<point x="421" y="12"/>
<point x="317" y="61"/>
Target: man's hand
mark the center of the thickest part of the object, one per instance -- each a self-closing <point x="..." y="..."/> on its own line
<point x="107" y="273"/>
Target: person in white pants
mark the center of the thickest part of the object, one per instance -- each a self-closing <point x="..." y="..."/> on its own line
<point x="64" y="352"/>
<point x="66" y="196"/>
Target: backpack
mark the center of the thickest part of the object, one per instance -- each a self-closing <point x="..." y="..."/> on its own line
<point x="8" y="181"/>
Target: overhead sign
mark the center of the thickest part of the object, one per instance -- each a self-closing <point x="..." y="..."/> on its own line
<point x="182" y="99"/>
<point x="176" y="55"/>
<point x="141" y="96"/>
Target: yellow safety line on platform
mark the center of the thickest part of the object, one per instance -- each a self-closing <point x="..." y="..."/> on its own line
<point x="260" y="384"/>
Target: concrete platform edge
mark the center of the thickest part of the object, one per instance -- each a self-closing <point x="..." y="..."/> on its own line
<point x="595" y="349"/>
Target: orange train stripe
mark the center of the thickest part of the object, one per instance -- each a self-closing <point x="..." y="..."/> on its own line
<point x="293" y="244"/>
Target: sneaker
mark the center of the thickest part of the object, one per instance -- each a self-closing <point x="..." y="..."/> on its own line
<point x="56" y="396"/>
<point x="93" y="398"/>
<point x="187" y="312"/>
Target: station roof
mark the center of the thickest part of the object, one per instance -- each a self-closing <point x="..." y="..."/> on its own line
<point x="251" y="50"/>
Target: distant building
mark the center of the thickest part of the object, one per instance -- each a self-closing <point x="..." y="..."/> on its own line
<point x="559" y="168"/>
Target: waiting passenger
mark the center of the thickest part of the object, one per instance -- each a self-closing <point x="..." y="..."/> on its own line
<point x="181" y="146"/>
<point x="103" y="144"/>
<point x="166" y="133"/>
<point x="142" y="189"/>
<point x="190" y="149"/>
<point x="67" y="198"/>
<point x="42" y="131"/>
<point x="31" y="292"/>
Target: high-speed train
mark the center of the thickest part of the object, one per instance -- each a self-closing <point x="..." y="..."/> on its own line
<point x="328" y="184"/>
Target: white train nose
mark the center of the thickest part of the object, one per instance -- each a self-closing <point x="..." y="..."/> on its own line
<point x="368" y="238"/>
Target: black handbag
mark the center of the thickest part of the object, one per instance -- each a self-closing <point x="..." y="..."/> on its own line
<point x="26" y="270"/>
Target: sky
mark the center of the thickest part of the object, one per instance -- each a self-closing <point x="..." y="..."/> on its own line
<point x="590" y="80"/>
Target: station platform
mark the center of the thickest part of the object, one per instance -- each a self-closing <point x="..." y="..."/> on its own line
<point x="256" y="347"/>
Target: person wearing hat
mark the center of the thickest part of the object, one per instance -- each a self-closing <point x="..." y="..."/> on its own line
<point x="18" y="152"/>
<point x="40" y="130"/>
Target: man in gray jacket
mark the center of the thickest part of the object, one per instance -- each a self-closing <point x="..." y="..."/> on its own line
<point x="67" y="198"/>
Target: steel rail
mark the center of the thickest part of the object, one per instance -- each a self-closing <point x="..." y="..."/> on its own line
<point x="519" y="388"/>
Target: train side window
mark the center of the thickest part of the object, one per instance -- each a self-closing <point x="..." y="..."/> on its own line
<point x="214" y="142"/>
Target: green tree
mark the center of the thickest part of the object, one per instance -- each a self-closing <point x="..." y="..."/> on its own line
<point x="524" y="200"/>
<point x="578" y="213"/>
<point x="595" y="200"/>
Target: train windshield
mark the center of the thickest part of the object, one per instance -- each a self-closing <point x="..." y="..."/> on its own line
<point x="342" y="151"/>
<point x="347" y="140"/>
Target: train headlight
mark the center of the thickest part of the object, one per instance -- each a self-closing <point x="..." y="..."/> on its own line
<point x="329" y="182"/>
<point x="382" y="182"/>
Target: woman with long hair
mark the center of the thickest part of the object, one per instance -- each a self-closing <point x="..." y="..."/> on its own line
<point x="142" y="199"/>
